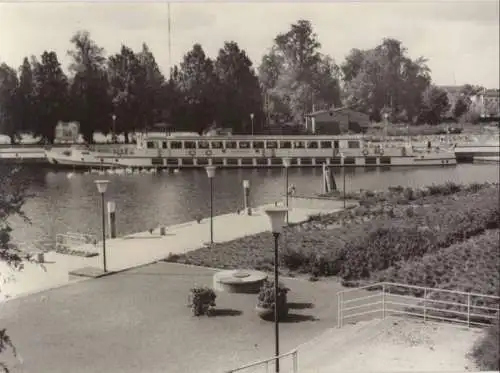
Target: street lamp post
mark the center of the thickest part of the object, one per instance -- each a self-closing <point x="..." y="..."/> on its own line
<point x="251" y="119"/>
<point x="102" y="186"/>
<point x="246" y="197"/>
<point x="386" y="124"/>
<point x="286" y="164"/>
<point x="114" y="126"/>
<point x="276" y="217"/>
<point x="211" y="174"/>
<point x="343" y="174"/>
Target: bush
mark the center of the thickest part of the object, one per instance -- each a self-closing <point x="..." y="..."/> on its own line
<point x="423" y="230"/>
<point x="469" y="266"/>
<point x="486" y="353"/>
<point x="267" y="300"/>
<point x="444" y="189"/>
<point x="296" y="259"/>
<point x="201" y="299"/>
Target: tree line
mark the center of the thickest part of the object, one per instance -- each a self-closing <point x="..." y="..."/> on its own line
<point x="127" y="92"/>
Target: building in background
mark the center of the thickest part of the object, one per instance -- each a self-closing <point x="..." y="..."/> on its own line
<point x="67" y="132"/>
<point x="489" y="100"/>
<point x="336" y="121"/>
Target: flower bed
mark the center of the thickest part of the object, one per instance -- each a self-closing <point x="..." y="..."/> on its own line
<point x="367" y="239"/>
<point x="425" y="229"/>
<point x="470" y="266"/>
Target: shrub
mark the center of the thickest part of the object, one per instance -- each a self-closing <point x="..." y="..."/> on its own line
<point x="201" y="299"/>
<point x="384" y="245"/>
<point x="396" y="189"/>
<point x="327" y="264"/>
<point x="423" y="230"/>
<point x="444" y="189"/>
<point x="474" y="187"/>
<point x="266" y="298"/>
<point x="469" y="266"/>
<point x="296" y="259"/>
<point x="486" y="353"/>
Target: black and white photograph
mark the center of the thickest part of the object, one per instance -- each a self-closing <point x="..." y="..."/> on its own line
<point x="249" y="186"/>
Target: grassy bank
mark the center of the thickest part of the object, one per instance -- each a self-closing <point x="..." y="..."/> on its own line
<point x="387" y="229"/>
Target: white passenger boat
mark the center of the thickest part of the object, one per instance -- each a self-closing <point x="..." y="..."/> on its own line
<point x="164" y="151"/>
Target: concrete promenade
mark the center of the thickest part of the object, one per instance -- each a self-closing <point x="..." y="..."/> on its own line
<point x="144" y="248"/>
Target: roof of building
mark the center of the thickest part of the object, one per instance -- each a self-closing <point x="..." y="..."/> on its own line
<point x="492" y="92"/>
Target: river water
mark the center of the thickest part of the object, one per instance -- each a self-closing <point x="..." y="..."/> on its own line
<point x="61" y="204"/>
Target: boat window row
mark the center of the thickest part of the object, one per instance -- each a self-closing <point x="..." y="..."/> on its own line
<point x="267" y="144"/>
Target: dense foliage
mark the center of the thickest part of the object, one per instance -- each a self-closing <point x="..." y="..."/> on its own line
<point x="126" y="91"/>
<point x="424" y="229"/>
<point x="12" y="198"/>
<point x="469" y="266"/>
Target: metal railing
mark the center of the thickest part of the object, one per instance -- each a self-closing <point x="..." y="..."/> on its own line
<point x="417" y="301"/>
<point x="268" y="364"/>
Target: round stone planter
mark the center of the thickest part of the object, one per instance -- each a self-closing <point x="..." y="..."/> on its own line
<point x="239" y="281"/>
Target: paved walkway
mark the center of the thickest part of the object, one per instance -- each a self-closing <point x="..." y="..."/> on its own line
<point x="142" y="248"/>
<point x="137" y="321"/>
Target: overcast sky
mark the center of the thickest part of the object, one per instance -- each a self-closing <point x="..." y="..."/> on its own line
<point x="460" y="38"/>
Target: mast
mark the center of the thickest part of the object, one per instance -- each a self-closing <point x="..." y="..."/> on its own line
<point x="169" y="41"/>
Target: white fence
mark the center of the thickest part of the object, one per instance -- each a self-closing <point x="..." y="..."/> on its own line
<point x="386" y="298"/>
<point x="288" y="364"/>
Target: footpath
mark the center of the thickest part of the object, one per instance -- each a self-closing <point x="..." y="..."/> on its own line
<point x="143" y="248"/>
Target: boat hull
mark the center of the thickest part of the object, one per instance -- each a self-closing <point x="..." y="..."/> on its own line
<point x="113" y="161"/>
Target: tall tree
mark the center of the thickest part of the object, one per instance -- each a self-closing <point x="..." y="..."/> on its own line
<point x="155" y="99"/>
<point x="90" y="102"/>
<point x="26" y="97"/>
<point x="50" y="95"/>
<point x="9" y="109"/>
<point x="352" y="64"/>
<point x="385" y="78"/>
<point x="196" y="83"/>
<point x="127" y="79"/>
<point x="464" y="103"/>
<point x="461" y="106"/>
<point x="239" y="90"/>
<point x="434" y="105"/>
<point x="296" y="76"/>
